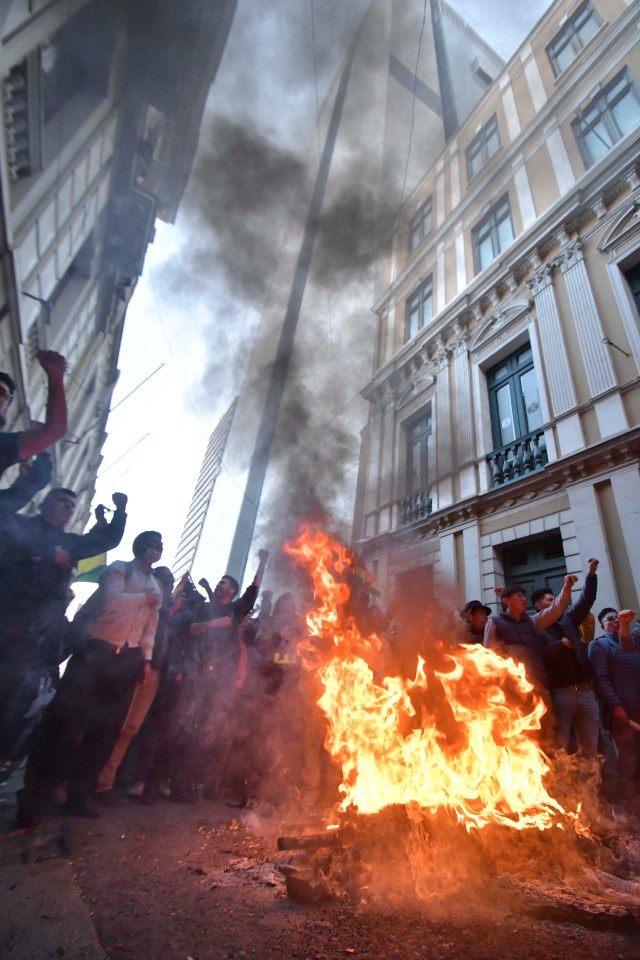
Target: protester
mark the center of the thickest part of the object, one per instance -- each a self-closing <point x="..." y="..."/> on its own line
<point x="222" y="666"/>
<point x="475" y="615"/>
<point x="27" y="443"/>
<point x="569" y="670"/>
<point x="616" y="666"/>
<point x="37" y="559"/>
<point x="80" y="727"/>
<point x="518" y="634"/>
<point x="144" y="692"/>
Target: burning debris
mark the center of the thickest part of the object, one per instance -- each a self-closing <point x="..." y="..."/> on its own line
<point x="445" y="783"/>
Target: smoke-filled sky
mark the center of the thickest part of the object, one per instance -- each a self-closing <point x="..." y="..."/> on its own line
<point x="197" y="306"/>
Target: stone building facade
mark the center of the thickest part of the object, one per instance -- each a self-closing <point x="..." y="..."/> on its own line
<point x="102" y="103"/>
<point x="503" y="438"/>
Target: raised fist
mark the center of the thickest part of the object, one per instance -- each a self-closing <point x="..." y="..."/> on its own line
<point x="120" y="501"/>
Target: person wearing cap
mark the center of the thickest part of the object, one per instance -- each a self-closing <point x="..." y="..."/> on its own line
<point x="25" y="444"/>
<point x="474" y="615"/>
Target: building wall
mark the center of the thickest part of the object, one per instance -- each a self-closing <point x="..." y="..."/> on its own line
<point x="561" y="285"/>
<point x="87" y="161"/>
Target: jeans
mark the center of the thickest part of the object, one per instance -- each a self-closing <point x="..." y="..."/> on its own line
<point x="577" y="709"/>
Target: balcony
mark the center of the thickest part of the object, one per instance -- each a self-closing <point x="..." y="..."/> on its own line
<point x="416" y="507"/>
<point x="522" y="456"/>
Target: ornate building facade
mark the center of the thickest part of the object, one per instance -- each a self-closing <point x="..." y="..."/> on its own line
<point x="503" y="439"/>
<point x="102" y="103"/>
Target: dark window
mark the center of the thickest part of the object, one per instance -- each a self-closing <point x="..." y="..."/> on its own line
<point x="482" y="147"/>
<point x="76" y="59"/>
<point x="419" y="309"/>
<point x="420" y="225"/>
<point x="513" y="398"/>
<point x="538" y="562"/>
<point x="493" y="234"/>
<point x="419" y="435"/>
<point x="574" y="34"/>
<point x="610" y="116"/>
<point x="633" y="279"/>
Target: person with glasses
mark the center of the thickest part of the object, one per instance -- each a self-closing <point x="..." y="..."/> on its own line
<point x="615" y="658"/>
<point x="517" y="633"/>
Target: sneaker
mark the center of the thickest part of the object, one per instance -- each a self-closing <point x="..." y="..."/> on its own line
<point x="82" y="807"/>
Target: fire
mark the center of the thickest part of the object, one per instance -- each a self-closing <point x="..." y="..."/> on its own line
<point x="459" y="736"/>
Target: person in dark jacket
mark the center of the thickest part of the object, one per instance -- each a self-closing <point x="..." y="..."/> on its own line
<point x="568" y="668"/>
<point x="223" y="657"/>
<point x="517" y="634"/>
<point x="474" y="616"/>
<point x="615" y="658"/>
<point x="37" y="560"/>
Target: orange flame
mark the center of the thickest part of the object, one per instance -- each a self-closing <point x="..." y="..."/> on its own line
<point x="459" y="736"/>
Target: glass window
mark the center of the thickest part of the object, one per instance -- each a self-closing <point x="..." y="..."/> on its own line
<point x="419" y="309"/>
<point x="419" y="435"/>
<point x="493" y="234"/>
<point x="482" y="147"/>
<point x="574" y="34"/>
<point x="420" y="225"/>
<point x="514" y="400"/>
<point x="611" y="115"/>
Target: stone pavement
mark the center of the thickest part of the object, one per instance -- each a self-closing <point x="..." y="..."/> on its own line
<point x="43" y="916"/>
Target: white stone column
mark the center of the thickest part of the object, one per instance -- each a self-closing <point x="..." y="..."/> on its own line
<point x="598" y="366"/>
<point x="444" y="440"/>
<point x="627" y="309"/>
<point x="472" y="571"/>
<point x="387" y="464"/>
<point x="463" y="399"/>
<point x="626" y="492"/>
<point x="556" y="362"/>
<point x="591" y="538"/>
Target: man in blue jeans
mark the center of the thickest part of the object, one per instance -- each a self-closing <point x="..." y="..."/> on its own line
<point x="615" y="658"/>
<point x="568" y="668"/>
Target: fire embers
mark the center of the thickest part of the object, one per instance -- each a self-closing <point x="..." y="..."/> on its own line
<point x="461" y="736"/>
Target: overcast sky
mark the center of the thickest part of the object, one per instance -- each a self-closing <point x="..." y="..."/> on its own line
<point x="182" y="316"/>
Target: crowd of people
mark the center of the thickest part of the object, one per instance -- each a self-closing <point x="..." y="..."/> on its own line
<point x="174" y="692"/>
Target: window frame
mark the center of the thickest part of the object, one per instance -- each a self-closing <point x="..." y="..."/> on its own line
<point x="490" y="219"/>
<point x="516" y="368"/>
<point x="580" y="129"/>
<point x="417" y="224"/>
<point x="568" y="35"/>
<point x="425" y="439"/>
<point x="418" y="295"/>
<point x="480" y="147"/>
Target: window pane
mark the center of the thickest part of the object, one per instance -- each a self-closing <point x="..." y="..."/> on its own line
<point x="587" y="29"/>
<point x="414" y="467"/>
<point x="531" y="400"/>
<point x="505" y="234"/>
<point x="505" y="415"/>
<point x="485" y="253"/>
<point x="493" y="141"/>
<point x="598" y="142"/>
<point x="626" y="113"/>
<point x="564" y="57"/>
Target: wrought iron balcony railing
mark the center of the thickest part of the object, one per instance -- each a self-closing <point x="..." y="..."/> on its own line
<point x="416" y="507"/>
<point x="525" y="455"/>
